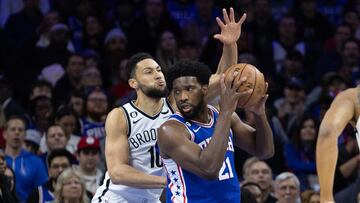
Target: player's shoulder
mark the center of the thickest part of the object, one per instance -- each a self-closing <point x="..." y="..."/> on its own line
<point x="116" y="116"/>
<point x="349" y="94"/>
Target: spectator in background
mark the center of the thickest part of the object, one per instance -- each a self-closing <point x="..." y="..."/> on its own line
<point x="10" y="106"/>
<point x="166" y="51"/>
<point x="93" y="34"/>
<point x="41" y="114"/>
<point x="310" y="196"/>
<point x="287" y="188"/>
<point x="71" y="81"/>
<point x="257" y="171"/>
<point x="54" y="138"/>
<point x="88" y="154"/>
<point x="124" y="14"/>
<point x="290" y="108"/>
<point x="51" y="18"/>
<point x="351" y="17"/>
<point x="115" y="50"/>
<point x="6" y="194"/>
<point x="20" y="29"/>
<point x="32" y="141"/>
<point x="330" y="60"/>
<point x="93" y="123"/>
<point x="90" y="78"/>
<point x="66" y="117"/>
<point x="40" y="88"/>
<point x="350" y="69"/>
<point x="286" y="41"/>
<point x="29" y="169"/>
<point x="70" y="188"/>
<point x="314" y="27"/>
<point x="154" y="21"/>
<point x="300" y="152"/>
<point x="262" y="33"/>
<point x="10" y="175"/>
<point x="76" y="102"/>
<point x="254" y="189"/>
<point x="57" y="161"/>
<point x="202" y="25"/>
<point x="120" y="90"/>
<point x="57" y="51"/>
<point x="188" y="50"/>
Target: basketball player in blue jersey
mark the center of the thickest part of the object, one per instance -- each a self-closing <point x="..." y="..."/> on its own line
<point x="135" y="171"/>
<point x="197" y="144"/>
<point x="344" y="109"/>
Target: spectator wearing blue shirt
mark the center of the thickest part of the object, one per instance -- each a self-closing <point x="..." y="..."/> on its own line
<point x="29" y="170"/>
<point x="300" y="152"/>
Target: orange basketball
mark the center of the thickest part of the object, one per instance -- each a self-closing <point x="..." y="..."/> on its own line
<point x="255" y="80"/>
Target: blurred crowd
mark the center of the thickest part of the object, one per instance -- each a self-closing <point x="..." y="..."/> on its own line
<point x="62" y="70"/>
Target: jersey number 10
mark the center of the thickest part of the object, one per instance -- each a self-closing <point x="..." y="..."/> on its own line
<point x="154" y="158"/>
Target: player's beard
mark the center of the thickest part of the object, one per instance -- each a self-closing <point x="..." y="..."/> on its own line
<point x="154" y="92"/>
<point x="194" y="112"/>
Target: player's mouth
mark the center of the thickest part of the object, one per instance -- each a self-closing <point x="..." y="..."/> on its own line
<point x="186" y="108"/>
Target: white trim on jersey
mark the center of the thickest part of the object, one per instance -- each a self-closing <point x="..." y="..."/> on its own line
<point x="192" y="138"/>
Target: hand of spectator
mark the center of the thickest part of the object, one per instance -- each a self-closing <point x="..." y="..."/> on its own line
<point x="230" y="29"/>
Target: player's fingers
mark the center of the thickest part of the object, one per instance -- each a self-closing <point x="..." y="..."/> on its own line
<point x="220" y="23"/>
<point x="232" y="15"/>
<point x="242" y="19"/>
<point x="226" y="17"/>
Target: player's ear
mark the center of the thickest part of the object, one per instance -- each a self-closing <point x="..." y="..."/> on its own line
<point x="133" y="83"/>
<point x="204" y="89"/>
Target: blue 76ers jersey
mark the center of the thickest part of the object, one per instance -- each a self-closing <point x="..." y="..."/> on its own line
<point x="184" y="186"/>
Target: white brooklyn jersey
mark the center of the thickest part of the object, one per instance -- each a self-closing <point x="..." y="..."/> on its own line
<point x="144" y="155"/>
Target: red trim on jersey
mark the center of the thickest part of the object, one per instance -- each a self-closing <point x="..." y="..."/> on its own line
<point x="182" y="183"/>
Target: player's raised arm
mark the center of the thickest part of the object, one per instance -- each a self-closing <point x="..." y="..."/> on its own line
<point x="117" y="155"/>
<point x="229" y="35"/>
<point x="336" y="118"/>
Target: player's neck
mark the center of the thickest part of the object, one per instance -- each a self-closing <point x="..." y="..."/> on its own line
<point x="149" y="105"/>
<point x="204" y="115"/>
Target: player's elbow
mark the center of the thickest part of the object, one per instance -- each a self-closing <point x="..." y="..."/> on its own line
<point x="266" y="154"/>
<point x="117" y="176"/>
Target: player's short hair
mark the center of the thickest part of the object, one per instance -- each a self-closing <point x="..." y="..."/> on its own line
<point x="132" y="63"/>
<point x="185" y="68"/>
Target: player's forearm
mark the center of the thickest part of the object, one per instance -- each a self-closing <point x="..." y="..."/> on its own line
<point x="228" y="58"/>
<point x="326" y="157"/>
<point x="213" y="155"/>
<point x="129" y="176"/>
<point x="349" y="167"/>
<point x="264" y="142"/>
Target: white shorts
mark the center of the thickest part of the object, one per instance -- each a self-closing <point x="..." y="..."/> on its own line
<point x="103" y="195"/>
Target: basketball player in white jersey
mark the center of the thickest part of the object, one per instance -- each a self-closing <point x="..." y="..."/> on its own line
<point x="344" y="109"/>
<point x="135" y="172"/>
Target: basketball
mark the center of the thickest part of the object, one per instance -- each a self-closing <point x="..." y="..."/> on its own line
<point x="255" y="80"/>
